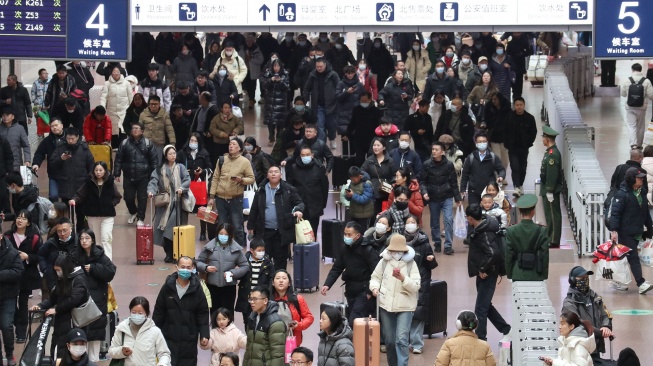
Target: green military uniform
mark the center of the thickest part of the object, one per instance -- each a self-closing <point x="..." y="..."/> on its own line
<point x="551" y="180"/>
<point x="527" y="237"/>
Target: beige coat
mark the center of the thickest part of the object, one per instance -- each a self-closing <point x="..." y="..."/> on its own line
<point x="157" y="127"/>
<point x="418" y="68"/>
<point x="230" y="339"/>
<point x="221" y="129"/>
<point x="236" y="67"/>
<point x="465" y="349"/>
<point x="479" y="93"/>
<point x="116" y="97"/>
<point x="222" y="185"/>
<point x="396" y="296"/>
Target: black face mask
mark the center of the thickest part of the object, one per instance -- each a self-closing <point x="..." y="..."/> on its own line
<point x="71" y="146"/>
<point x="401" y="205"/>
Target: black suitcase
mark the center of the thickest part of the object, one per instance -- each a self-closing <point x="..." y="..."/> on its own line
<point x="341" y="165"/>
<point x="306" y="266"/>
<point x="112" y="322"/>
<point x="332" y="234"/>
<point x="437" y="314"/>
<point x="342" y="306"/>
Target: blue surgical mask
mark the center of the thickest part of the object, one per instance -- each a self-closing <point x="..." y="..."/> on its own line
<point x="449" y="54"/>
<point x="223" y="238"/>
<point x="481" y="146"/>
<point x="184" y="274"/>
<point x="439" y="70"/>
<point x="454" y="109"/>
<point x="222" y="73"/>
<point x="348" y="241"/>
<point x="302" y="43"/>
<point x="193" y="145"/>
<point x="499" y="51"/>
<point x="138" y="319"/>
<point x="362" y="67"/>
<point x="365" y="105"/>
<point x="300" y="108"/>
<point x="482" y="67"/>
<point x="306" y="159"/>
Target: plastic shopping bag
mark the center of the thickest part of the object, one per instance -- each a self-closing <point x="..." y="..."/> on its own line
<point x="291" y="344"/>
<point x="236" y="111"/>
<point x="646" y="253"/>
<point x="304" y="232"/>
<point x="248" y="197"/>
<point x="618" y="271"/>
<point x="460" y="223"/>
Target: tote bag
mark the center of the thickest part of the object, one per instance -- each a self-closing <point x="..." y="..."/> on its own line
<point x="86" y="313"/>
<point x="304" y="232"/>
<point x="198" y="187"/>
<point x="248" y="197"/>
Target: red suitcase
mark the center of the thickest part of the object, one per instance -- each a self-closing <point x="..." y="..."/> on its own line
<point x="145" y="241"/>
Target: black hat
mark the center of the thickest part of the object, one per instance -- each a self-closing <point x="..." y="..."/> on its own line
<point x="75" y="335"/>
<point x="631" y="172"/>
<point x="8" y="110"/>
<point x="240" y="143"/>
<point x="579" y="271"/>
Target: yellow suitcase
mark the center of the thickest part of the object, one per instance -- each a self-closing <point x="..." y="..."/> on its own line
<point x="183" y="241"/>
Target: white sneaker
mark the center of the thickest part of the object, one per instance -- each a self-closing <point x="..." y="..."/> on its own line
<point x="140" y="223"/>
<point x="417" y="351"/>
<point x="333" y="145"/>
<point x="645" y="287"/>
<point x="131" y="219"/>
<point x="506" y="337"/>
<point x="619" y="286"/>
<point x="383" y="349"/>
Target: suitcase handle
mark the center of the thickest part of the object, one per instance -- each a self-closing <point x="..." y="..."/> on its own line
<point x="151" y="211"/>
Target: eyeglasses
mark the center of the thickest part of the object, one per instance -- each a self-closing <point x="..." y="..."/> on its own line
<point x="252" y="299"/>
<point x="296" y="363"/>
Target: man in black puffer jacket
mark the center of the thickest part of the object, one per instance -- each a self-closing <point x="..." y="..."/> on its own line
<point x="182" y="314"/>
<point x="74" y="162"/>
<point x="63" y="243"/>
<point x="485" y="262"/>
<point x="137" y="157"/>
<point x="321" y="151"/>
<point x="44" y="153"/>
<point x="11" y="270"/>
<point x="479" y="168"/>
<point x="629" y="215"/>
<point x="348" y="92"/>
<point x="309" y="177"/>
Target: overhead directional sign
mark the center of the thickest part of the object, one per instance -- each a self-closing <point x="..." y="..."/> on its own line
<point x="65" y="29"/>
<point x="623" y="29"/>
<point x="406" y="13"/>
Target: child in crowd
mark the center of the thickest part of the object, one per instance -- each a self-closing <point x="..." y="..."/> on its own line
<point x="225" y="337"/>
<point x="499" y="197"/>
<point x="491" y="208"/>
<point x="260" y="274"/>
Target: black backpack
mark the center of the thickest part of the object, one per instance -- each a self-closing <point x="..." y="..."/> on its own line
<point x="635" y="93"/>
<point x="607" y="207"/>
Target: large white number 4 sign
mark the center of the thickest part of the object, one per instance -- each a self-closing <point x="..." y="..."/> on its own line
<point x="100" y="25"/>
<point x="623" y="14"/>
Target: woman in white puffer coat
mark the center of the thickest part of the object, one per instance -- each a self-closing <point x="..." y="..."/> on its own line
<point x="395" y="283"/>
<point x="575" y="344"/>
<point x="116" y="97"/>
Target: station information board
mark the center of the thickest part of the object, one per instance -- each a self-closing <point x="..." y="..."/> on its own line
<point x="623" y="29"/>
<point x="65" y="29"/>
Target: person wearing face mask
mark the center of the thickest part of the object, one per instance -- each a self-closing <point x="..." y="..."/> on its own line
<point x="197" y="161"/>
<point x="254" y="59"/>
<point x="181" y="304"/>
<point x="380" y="62"/>
<point x="348" y="93"/>
<point x="404" y="156"/>
<point x="76" y="350"/>
<point x="304" y="66"/>
<point x="135" y="331"/>
<point x="404" y="178"/>
<point x="359" y="258"/>
<point x="397" y="97"/>
<point x="367" y="79"/>
<point x="22" y="196"/>
<point x="457" y="122"/>
<point x="474" y="77"/>
<point x="479" y="168"/>
<point x="310" y="179"/>
<point x="69" y="291"/>
<point x="321" y="151"/>
<point x="184" y="67"/>
<point x="425" y="261"/>
<point x="485" y="263"/>
<point x="320" y="89"/>
<point x="275" y="84"/>
<point x="365" y="119"/>
<point x="418" y="64"/>
<point x="70" y="113"/>
<point x="260" y="273"/>
<point x="450" y="58"/>
<point x="340" y="56"/>
<point x="225" y="87"/>
<point x="395" y="283"/>
<point x="357" y="195"/>
<point x="363" y="46"/>
<point x="299" y="110"/>
<point x="378" y="236"/>
<point x="224" y="262"/>
<point x="465" y="68"/>
<point x="439" y="80"/>
<point x="420" y="127"/>
<point x="588" y="305"/>
<point x="290" y="136"/>
<point x="261" y="161"/>
<point x="323" y="43"/>
<point x="398" y="209"/>
<point x="503" y="69"/>
<point x="236" y="67"/>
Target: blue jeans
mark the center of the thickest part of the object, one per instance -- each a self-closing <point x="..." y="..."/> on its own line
<point x="446" y="207"/>
<point x="396" y="330"/>
<point x="326" y="124"/>
<point x="417" y="334"/>
<point x="53" y="188"/>
<point x="484" y="309"/>
<point x="7" y="311"/>
<point x="231" y="211"/>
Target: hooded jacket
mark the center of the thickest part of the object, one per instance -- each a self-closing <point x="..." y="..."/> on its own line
<point x="229" y="339"/>
<point x="575" y="349"/>
<point x="225" y="89"/>
<point x="16" y="136"/>
<point x="116" y="97"/>
<point x="226" y="258"/>
<point x="465" y="349"/>
<point x="11" y="270"/>
<point x="31" y="278"/>
<point x="355" y="263"/>
<point x="380" y="60"/>
<point x="73" y="171"/>
<point x="336" y="349"/>
<point x="97" y="131"/>
<point x="346" y="102"/>
<point x="485" y="254"/>
<point x="149" y="87"/>
<point x="396" y="296"/>
<point x="158" y="126"/>
<point x="420" y="243"/>
<point x="266" y="340"/>
<point x="236" y="67"/>
<point x="589" y="306"/>
<point x="276" y="97"/>
<point x="149" y="347"/>
<point x="185" y="68"/>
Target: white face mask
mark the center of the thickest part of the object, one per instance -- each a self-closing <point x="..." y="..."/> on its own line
<point x="416" y="48"/>
<point x="222" y="72"/>
<point x="411" y="228"/>
<point x="77" y="350"/>
<point x="397" y="256"/>
<point x="466" y="61"/>
<point x="259" y="255"/>
<point x="138" y="319"/>
<point x="228" y="53"/>
<point x="404" y="145"/>
<point x="380" y="228"/>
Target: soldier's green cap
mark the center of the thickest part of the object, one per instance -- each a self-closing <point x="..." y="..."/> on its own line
<point x="548" y="131"/>
<point x="527" y="201"/>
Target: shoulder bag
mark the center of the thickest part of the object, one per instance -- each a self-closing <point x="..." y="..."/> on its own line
<point x="86" y="313"/>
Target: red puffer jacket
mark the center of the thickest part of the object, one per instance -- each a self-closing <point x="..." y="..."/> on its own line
<point x="416" y="203"/>
<point x="303" y="317"/>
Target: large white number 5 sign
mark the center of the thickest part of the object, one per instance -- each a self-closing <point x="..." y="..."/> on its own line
<point x="623" y="14"/>
<point x="100" y="26"/>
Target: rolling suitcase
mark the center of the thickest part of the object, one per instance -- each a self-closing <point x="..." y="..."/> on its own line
<point x="341" y="165"/>
<point x="342" y="306"/>
<point x="437" y="315"/>
<point x="306" y="268"/>
<point x="112" y="321"/>
<point x="332" y="234"/>
<point x="101" y="152"/>
<point x="367" y="341"/>
<point x="183" y="237"/>
<point x="145" y="240"/>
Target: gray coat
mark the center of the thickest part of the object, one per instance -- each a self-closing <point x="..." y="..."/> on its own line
<point x="17" y="138"/>
<point x="336" y="349"/>
<point x="255" y="61"/>
<point x="155" y="186"/>
<point x="226" y="258"/>
<point x="185" y="68"/>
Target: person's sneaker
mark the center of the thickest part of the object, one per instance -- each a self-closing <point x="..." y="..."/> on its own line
<point x="131" y="219"/>
<point x="645" y="287"/>
<point x="506" y="338"/>
<point x="438" y="249"/>
<point x="202" y="237"/>
<point x="442" y="234"/>
<point x="21" y="340"/>
<point x="168" y="259"/>
<point x="417" y="351"/>
<point x="140" y="223"/>
<point x="383" y="348"/>
<point x="11" y="361"/>
<point x="333" y="145"/>
<point x="618" y="286"/>
<point x="448" y="251"/>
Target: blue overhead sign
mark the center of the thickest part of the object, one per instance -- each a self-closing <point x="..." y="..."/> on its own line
<point x="623" y="29"/>
<point x="65" y="29"/>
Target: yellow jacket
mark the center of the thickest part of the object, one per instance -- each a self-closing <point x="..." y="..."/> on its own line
<point x="464" y="348"/>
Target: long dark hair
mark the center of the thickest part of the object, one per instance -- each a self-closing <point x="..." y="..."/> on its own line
<point x="104" y="166"/>
<point x="64" y="284"/>
<point x="30" y="230"/>
<point x="572" y="319"/>
<point x="230" y="232"/>
<point x="164" y="159"/>
<point x="200" y="143"/>
<point x="90" y="233"/>
<point x="290" y="293"/>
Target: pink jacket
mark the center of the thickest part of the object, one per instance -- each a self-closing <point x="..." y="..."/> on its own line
<point x="230" y="339"/>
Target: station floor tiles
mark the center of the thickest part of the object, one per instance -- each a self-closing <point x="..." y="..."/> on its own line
<point x="612" y="148"/>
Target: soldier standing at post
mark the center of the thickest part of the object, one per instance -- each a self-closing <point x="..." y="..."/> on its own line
<point x="527" y="245"/>
<point x="551" y="180"/>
